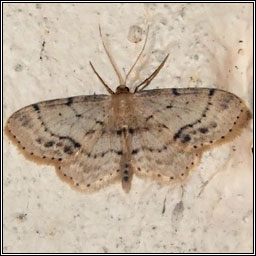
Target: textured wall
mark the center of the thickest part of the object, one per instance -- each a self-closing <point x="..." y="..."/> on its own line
<point x="47" y="48"/>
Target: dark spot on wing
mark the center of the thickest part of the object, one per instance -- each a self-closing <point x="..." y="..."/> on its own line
<point x="77" y="145"/>
<point x="213" y="125"/>
<point x="68" y="150"/>
<point x="36" y="107"/>
<point x="69" y="102"/>
<point x="59" y="144"/>
<point x="49" y="144"/>
<point x="164" y="126"/>
<point x="90" y="132"/>
<point x="203" y="130"/>
<point x="175" y="92"/>
<point x="149" y="117"/>
<point x="120" y="152"/>
<point x="99" y="122"/>
<point x="211" y="92"/>
<point x="135" y="151"/>
<point x="186" y="138"/>
<point x="39" y="140"/>
<point x="119" y="132"/>
<point x="131" y="130"/>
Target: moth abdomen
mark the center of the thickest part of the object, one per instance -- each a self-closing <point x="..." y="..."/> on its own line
<point x="126" y="176"/>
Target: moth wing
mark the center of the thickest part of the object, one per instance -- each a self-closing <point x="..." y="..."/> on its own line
<point x="54" y="130"/>
<point x="194" y="118"/>
<point x="154" y="156"/>
<point x="95" y="165"/>
<point x="177" y="125"/>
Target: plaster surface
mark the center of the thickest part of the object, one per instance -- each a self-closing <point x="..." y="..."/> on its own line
<point x="47" y="49"/>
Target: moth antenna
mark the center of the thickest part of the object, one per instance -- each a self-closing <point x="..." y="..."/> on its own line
<point x="144" y="45"/>
<point x="148" y="80"/>
<point x="120" y="78"/>
<point x="102" y="81"/>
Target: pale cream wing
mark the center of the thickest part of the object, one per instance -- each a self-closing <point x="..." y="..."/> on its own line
<point x="176" y="125"/>
<point x="53" y="131"/>
<point x="155" y="157"/>
<point x="194" y="118"/>
<point x="96" y="164"/>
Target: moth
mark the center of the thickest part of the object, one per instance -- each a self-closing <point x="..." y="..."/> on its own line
<point x="96" y="140"/>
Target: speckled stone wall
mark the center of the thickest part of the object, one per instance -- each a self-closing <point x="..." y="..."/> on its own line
<point x="47" y="49"/>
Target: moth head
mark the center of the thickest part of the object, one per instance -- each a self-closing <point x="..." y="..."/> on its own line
<point x="122" y="89"/>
